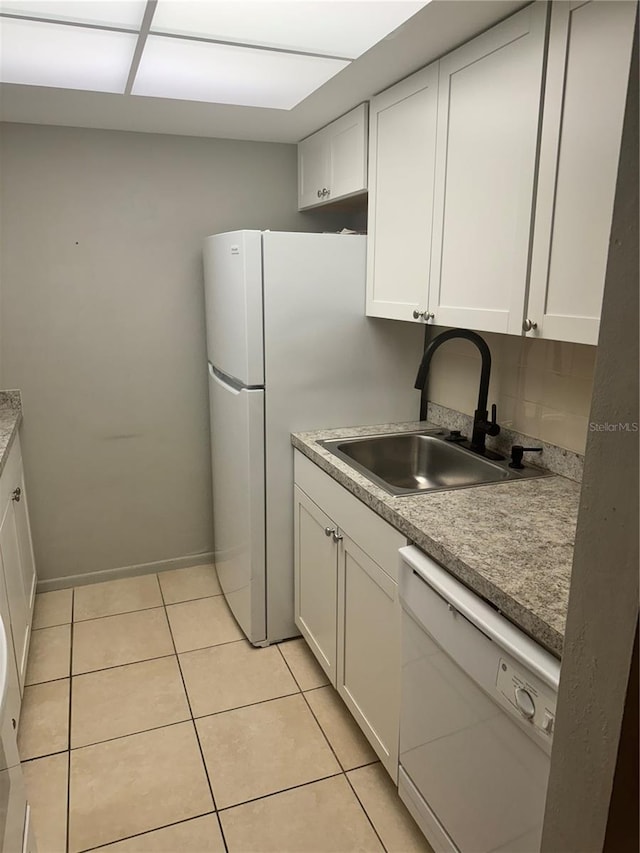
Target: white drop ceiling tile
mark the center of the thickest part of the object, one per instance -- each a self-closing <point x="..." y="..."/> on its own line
<point x="43" y="54"/>
<point x="224" y="74"/>
<point x="344" y="28"/>
<point x="112" y="13"/>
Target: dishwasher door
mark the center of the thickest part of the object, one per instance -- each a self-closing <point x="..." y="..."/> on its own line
<point x="474" y="754"/>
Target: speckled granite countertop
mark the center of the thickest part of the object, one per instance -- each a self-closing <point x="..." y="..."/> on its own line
<point x="511" y="542"/>
<point x="10" y="417"/>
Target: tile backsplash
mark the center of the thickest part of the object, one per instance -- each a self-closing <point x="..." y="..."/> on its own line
<point x="542" y="388"/>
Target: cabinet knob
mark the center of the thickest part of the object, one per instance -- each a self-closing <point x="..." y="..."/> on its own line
<point x="422" y="315"/>
<point x="328" y="531"/>
<point x="319" y="193"/>
<point x="337" y="536"/>
<point x="15" y="496"/>
<point x="325" y="192"/>
<point x="528" y="325"/>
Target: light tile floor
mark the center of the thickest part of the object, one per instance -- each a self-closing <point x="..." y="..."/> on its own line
<point x="150" y="725"/>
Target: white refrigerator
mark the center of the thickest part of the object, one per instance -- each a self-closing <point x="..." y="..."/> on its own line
<point x="289" y="349"/>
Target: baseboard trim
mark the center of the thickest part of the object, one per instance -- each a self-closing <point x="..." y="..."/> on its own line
<point x="125" y="572"/>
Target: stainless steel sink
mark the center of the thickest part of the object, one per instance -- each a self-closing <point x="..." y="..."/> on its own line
<point x="410" y="463"/>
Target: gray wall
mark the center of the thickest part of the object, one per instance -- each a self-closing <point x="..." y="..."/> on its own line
<point x="103" y="329"/>
<point x="603" y="604"/>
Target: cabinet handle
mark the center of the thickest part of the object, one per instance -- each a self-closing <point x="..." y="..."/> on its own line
<point x="528" y="325"/>
<point x="337" y="536"/>
<point x="328" y="531"/>
<point x="15" y="496"/>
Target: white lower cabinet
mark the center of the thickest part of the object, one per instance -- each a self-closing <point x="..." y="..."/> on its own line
<point x="316" y="589"/>
<point x="346" y="602"/>
<point x="16" y="560"/>
<point x="369" y="649"/>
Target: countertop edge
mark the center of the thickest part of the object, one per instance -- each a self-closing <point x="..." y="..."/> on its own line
<point x="10" y="420"/>
<point x="516" y="612"/>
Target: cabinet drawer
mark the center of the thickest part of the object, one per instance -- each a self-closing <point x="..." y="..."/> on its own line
<point x="380" y="540"/>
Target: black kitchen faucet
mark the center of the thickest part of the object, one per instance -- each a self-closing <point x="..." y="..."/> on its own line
<point x="482" y="426"/>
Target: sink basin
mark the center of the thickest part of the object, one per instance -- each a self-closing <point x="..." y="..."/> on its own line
<point x="410" y="463"/>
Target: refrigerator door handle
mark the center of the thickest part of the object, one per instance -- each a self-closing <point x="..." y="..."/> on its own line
<point x="224" y="381"/>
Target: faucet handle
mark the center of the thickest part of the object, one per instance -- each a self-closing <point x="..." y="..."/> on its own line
<point x="493" y="429"/>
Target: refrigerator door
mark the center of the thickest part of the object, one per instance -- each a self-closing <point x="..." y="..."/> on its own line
<point x="237" y="454"/>
<point x="233" y="303"/>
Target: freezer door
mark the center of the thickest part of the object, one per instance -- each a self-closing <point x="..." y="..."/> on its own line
<point x="237" y="455"/>
<point x="233" y="303"/>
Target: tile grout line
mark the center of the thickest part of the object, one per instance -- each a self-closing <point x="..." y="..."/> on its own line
<point x="362" y="806"/>
<point x="130" y="734"/>
<point x="103" y="669"/>
<point x="281" y="791"/>
<point x="193" y="719"/>
<point x="147" y="832"/>
<point x="140" y="609"/>
<point x="195" y="728"/>
<point x="286" y="663"/>
<point x="129" y="663"/>
<point x="344" y="772"/>
<point x="73" y="598"/>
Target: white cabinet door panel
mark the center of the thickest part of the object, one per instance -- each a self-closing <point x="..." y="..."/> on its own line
<point x="488" y="116"/>
<point x="369" y="650"/>
<point x="18" y="609"/>
<point x="402" y="156"/>
<point x="348" y="154"/>
<point x="25" y="544"/>
<point x="316" y="584"/>
<point x="332" y="163"/>
<point x="313" y="170"/>
<point x="588" y="67"/>
<point x="13" y="690"/>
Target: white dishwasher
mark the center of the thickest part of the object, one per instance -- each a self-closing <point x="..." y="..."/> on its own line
<point x="477" y="716"/>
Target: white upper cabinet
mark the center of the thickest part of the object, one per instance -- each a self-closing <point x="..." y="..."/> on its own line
<point x="588" y="68"/>
<point x="332" y="163"/>
<point x="489" y="103"/>
<point x="451" y="182"/>
<point x="402" y="156"/>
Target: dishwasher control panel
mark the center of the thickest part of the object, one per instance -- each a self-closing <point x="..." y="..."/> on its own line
<point x="527" y="697"/>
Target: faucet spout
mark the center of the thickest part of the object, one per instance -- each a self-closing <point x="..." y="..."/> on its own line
<point x="482" y="426"/>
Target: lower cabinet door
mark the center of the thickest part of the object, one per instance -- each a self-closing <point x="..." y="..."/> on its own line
<point x="369" y="650"/>
<point x="13" y="692"/>
<point x="316" y="566"/>
<point x="18" y="606"/>
<point x="25" y="545"/>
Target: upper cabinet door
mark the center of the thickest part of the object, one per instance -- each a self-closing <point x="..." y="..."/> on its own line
<point x="313" y="170"/>
<point x="587" y="73"/>
<point x="488" y="117"/>
<point x="332" y="163"/>
<point x="347" y="142"/>
<point x="402" y="157"/>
